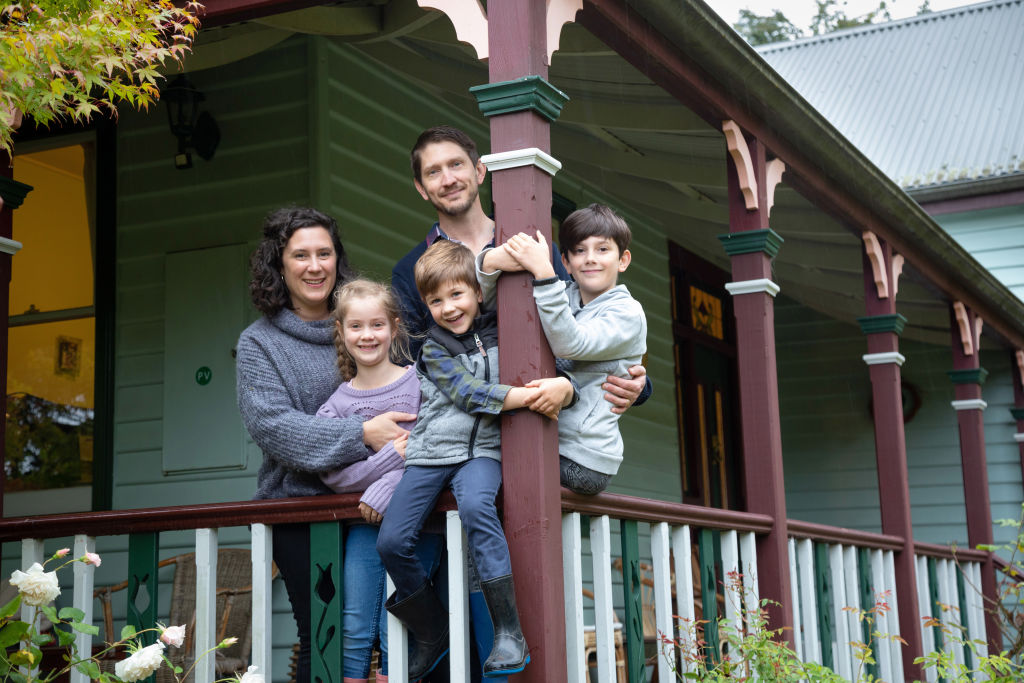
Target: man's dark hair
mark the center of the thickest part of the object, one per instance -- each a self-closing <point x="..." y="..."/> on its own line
<point x="595" y="220"/>
<point x="267" y="288"/>
<point x="441" y="134"/>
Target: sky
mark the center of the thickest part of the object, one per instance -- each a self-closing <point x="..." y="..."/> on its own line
<point x="800" y="12"/>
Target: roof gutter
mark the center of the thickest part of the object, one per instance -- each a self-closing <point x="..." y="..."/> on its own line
<point x="797" y="129"/>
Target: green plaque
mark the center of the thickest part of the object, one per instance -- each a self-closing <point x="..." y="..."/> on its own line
<point x="203" y="376"/>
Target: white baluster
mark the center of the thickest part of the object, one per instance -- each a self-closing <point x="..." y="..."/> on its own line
<point x="751" y="588"/>
<point x="82" y="599"/>
<point x="206" y="605"/>
<point x="844" y="662"/>
<point x="924" y="603"/>
<point x="976" y="608"/>
<point x="882" y="645"/>
<point x="733" y="588"/>
<point x="572" y="569"/>
<point x="398" y="644"/>
<point x="852" y="618"/>
<point x="808" y="599"/>
<point x="601" y="549"/>
<point x="893" y="616"/>
<point x="794" y="590"/>
<point x="684" y="596"/>
<point x="31" y="552"/>
<point x="262" y="607"/>
<point x="458" y="599"/>
<point x="662" y="599"/>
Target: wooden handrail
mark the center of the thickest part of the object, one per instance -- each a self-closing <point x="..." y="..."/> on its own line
<point x="950" y="552"/>
<point x="835" y="534"/>
<point x="648" y="510"/>
<point x="184" y="517"/>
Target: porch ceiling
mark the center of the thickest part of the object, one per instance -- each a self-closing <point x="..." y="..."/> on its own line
<point x="628" y="136"/>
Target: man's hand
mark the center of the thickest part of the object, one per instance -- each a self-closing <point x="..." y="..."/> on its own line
<point x="401" y="443"/>
<point x="369" y="514"/>
<point x="499" y="258"/>
<point x="621" y="392"/>
<point x="532" y="254"/>
<point x="553" y="394"/>
<point x="379" y="430"/>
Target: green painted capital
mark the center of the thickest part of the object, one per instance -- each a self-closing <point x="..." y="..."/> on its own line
<point x="13" y="192"/>
<point x="1018" y="413"/>
<point x="873" y="324"/>
<point x="523" y="94"/>
<point x="971" y="376"/>
<point x="752" y="241"/>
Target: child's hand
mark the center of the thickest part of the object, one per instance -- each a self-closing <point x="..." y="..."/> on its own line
<point x="401" y="443"/>
<point x="369" y="514"/>
<point x="553" y="393"/>
<point x="532" y="254"/>
<point x="499" y="259"/>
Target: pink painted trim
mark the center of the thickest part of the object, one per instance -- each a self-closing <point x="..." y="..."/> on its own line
<point x="978" y="324"/>
<point x="960" y="311"/>
<point x="874" y="251"/>
<point x="897" y="270"/>
<point x="468" y="18"/>
<point x="740" y="154"/>
<point x="773" y="171"/>
<point x="560" y="13"/>
<point x="1019" y="355"/>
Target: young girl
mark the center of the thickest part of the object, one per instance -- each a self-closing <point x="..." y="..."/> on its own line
<point x="371" y="344"/>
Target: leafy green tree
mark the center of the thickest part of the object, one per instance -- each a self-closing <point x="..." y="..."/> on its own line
<point x="759" y="29"/>
<point x="832" y="17"/>
<point x="72" y="59"/>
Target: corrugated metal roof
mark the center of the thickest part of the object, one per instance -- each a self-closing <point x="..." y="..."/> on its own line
<point x="931" y="100"/>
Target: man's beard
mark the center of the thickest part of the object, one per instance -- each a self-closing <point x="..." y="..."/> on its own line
<point x="456" y="210"/>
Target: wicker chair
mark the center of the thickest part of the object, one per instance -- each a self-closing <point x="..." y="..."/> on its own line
<point x="234" y="610"/>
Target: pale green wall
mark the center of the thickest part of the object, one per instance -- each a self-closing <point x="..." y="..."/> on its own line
<point x="996" y="238"/>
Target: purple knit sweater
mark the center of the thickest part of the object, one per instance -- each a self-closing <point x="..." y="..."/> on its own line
<point x="379" y="473"/>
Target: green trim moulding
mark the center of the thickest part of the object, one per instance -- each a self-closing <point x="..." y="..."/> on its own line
<point x="13" y="192"/>
<point x="970" y="376"/>
<point x="872" y="324"/>
<point x="1018" y="413"/>
<point x="523" y="94"/>
<point x="752" y="241"/>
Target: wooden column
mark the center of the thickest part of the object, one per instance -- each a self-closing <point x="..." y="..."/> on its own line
<point x="12" y="194"/>
<point x="1017" y="411"/>
<point x="883" y="326"/>
<point x="751" y="246"/>
<point x="521" y="105"/>
<point x="968" y="376"/>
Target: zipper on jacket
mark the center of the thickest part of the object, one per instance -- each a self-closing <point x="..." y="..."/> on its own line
<point x="480" y="345"/>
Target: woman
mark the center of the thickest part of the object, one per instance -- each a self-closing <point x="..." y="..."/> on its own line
<point x="287" y="368"/>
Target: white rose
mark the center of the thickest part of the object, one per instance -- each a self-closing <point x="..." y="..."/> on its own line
<point x="36" y="586"/>
<point x="173" y="635"/>
<point x="253" y="675"/>
<point x="141" y="663"/>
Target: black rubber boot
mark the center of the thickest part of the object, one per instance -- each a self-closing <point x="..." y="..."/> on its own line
<point x="509" y="654"/>
<point x="427" y="621"/>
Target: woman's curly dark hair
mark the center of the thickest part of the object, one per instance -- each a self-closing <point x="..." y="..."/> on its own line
<point x="267" y="288"/>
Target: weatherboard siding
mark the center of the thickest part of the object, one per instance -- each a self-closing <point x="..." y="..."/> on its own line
<point x="995" y="237"/>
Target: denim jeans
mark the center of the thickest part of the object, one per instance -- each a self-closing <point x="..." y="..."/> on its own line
<point x="364" y="621"/>
<point x="475" y="484"/>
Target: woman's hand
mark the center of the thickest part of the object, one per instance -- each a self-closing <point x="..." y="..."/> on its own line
<point x="369" y="514"/>
<point x="401" y="443"/>
<point x="621" y="392"/>
<point x="553" y="393"/>
<point x="378" y="431"/>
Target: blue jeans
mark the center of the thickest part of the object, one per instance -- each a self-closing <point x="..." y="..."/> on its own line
<point x="363" y="621"/>
<point x="475" y="484"/>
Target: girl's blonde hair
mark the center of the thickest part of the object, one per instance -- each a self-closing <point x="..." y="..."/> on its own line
<point x="368" y="289"/>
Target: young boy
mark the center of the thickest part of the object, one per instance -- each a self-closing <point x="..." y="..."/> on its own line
<point x="592" y="323"/>
<point x="456" y="442"/>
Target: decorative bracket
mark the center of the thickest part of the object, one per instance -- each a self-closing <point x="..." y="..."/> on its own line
<point x="773" y="176"/>
<point x="966" y="338"/>
<point x="740" y="154"/>
<point x="560" y="12"/>
<point x="873" y="248"/>
<point x="1020" y="366"/>
<point x="978" y="324"/>
<point x="469" y="19"/>
<point x="897" y="270"/>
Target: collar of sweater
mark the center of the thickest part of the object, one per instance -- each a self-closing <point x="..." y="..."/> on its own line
<point x="312" y="331"/>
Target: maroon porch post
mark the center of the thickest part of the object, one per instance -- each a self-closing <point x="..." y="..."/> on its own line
<point x="751" y="246"/>
<point x="1017" y="372"/>
<point x="968" y="376"/>
<point x="12" y="194"/>
<point x="529" y="442"/>
<point x="883" y="326"/>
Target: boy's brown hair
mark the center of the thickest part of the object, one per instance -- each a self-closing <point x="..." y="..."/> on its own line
<point x="596" y="219"/>
<point x="445" y="261"/>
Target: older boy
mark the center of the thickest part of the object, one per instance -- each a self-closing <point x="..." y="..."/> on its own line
<point x="456" y="442"/>
<point x="592" y="322"/>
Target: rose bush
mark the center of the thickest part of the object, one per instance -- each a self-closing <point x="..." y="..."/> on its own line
<point x="37" y="587"/>
<point x="141" y="663"/>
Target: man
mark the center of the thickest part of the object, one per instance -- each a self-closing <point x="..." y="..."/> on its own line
<point x="447" y="172"/>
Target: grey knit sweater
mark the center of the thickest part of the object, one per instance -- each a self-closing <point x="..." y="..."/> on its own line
<point x="287" y="369"/>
